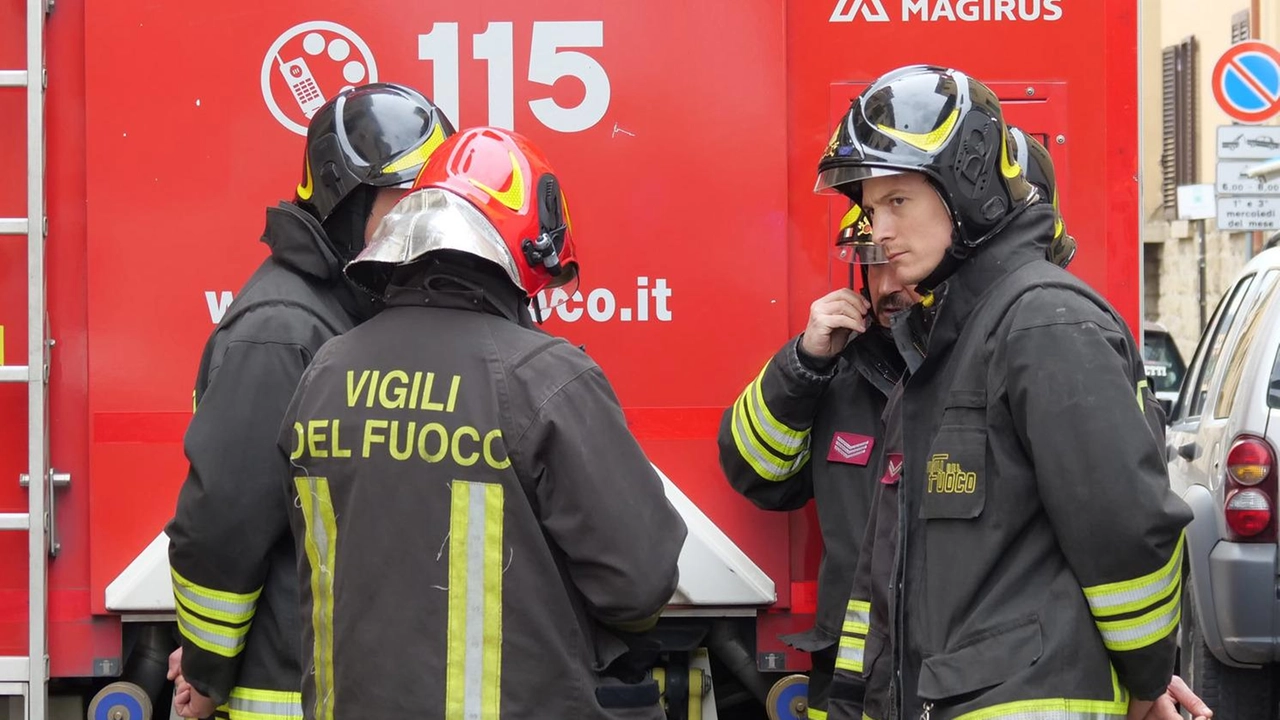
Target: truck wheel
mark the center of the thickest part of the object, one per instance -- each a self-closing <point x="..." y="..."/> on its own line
<point x="1231" y="692"/>
<point x="120" y="701"/>
<point x="789" y="698"/>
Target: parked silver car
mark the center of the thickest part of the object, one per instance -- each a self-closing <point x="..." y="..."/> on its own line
<point x="1222" y="438"/>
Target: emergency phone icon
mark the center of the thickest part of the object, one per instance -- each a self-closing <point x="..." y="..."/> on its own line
<point x="310" y="63"/>
<point x="303" y="85"/>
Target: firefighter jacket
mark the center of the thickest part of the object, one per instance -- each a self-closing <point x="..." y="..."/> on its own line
<point x="231" y="555"/>
<point x="1040" y="560"/>
<point x="862" y="691"/>
<point x="481" y="532"/>
<point x="800" y="432"/>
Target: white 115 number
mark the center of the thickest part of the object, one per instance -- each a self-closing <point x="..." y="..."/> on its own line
<point x="548" y="62"/>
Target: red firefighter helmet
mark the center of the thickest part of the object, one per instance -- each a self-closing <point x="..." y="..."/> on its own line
<point x="487" y="192"/>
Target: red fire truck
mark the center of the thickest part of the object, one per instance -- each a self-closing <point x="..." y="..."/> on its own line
<point x="144" y="139"/>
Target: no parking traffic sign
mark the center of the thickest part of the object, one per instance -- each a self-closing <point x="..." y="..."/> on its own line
<point x="1246" y="81"/>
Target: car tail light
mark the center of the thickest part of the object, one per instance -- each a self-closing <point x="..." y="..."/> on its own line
<point x="1250" y="490"/>
<point x="1248" y="512"/>
<point x="1249" y="461"/>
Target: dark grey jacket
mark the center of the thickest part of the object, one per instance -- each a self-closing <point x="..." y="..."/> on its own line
<point x="1041" y="550"/>
<point x="481" y="530"/>
<point x="230" y="550"/>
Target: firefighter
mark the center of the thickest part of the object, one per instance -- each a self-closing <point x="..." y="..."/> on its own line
<point x="483" y="536"/>
<point x="232" y="557"/>
<point x="862" y="691"/>
<point x="1040" y="556"/>
<point x="808" y="427"/>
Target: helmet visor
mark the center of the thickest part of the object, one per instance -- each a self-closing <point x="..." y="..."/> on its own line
<point x="836" y="180"/>
<point x="864" y="253"/>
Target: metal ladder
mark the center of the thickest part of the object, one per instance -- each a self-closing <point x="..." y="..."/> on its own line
<point x="28" y="677"/>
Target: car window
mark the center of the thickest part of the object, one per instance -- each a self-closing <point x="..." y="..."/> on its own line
<point x="1213" y="348"/>
<point x="1183" y="403"/>
<point x="1163" y="361"/>
<point x="1256" y="314"/>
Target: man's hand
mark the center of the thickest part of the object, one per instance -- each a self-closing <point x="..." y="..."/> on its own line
<point x="187" y="702"/>
<point x="834" y="319"/>
<point x="1165" y="707"/>
<point x="175" y="664"/>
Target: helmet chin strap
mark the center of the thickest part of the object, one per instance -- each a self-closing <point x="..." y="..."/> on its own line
<point x="959" y="251"/>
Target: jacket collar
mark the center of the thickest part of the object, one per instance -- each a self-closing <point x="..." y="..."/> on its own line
<point x="1024" y="240"/>
<point x="298" y="242"/>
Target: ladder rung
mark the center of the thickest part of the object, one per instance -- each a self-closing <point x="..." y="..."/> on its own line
<point x="13" y="226"/>
<point x="14" y="521"/>
<point x="13" y="689"/>
<point x="14" y="669"/>
<point x="13" y="78"/>
<point x="13" y="373"/>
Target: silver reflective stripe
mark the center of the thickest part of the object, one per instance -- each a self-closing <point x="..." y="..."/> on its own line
<point x="188" y="626"/>
<point x="851" y="653"/>
<point x="474" y="662"/>
<point x="324" y="603"/>
<point x="860" y="617"/>
<point x="281" y="709"/>
<point x="1054" y="714"/>
<point x="1141" y="631"/>
<point x="781" y="441"/>
<point x="768" y="465"/>
<point x="230" y="611"/>
<point x="1133" y="595"/>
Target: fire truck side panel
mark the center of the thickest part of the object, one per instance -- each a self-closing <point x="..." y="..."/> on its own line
<point x="687" y="139"/>
<point x="80" y="644"/>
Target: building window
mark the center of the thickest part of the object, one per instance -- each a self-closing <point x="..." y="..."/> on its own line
<point x="1151" y="255"/>
<point x="1240" y="27"/>
<point x="1178" y="147"/>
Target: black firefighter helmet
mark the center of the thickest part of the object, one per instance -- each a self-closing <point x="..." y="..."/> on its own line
<point x="365" y="138"/>
<point x="945" y="125"/>
<point x="1034" y="158"/>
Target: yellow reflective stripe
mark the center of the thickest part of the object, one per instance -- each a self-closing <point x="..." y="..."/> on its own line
<point x="815" y="714"/>
<point x="1142" y="385"/>
<point x="1059" y="708"/>
<point x="1050" y="709"/>
<point x="867" y="717"/>
<point x="1146" y="629"/>
<point x="784" y="439"/>
<point x="858" y="613"/>
<point x="321" y="539"/>
<point x="850" y="654"/>
<point x="217" y="639"/>
<point x="474" y="655"/>
<point x="253" y="704"/>
<point x="229" y="607"/>
<point x="856" y="628"/>
<point x="765" y="464"/>
<point x="1139" y="594"/>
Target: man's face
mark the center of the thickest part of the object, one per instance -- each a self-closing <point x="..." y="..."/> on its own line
<point x="888" y="294"/>
<point x="910" y="221"/>
<point x="382" y="204"/>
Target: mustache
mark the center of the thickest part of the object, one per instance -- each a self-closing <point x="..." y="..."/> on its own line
<point x="892" y="303"/>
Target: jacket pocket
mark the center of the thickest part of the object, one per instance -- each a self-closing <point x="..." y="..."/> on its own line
<point x="877" y="672"/>
<point x="955" y="474"/>
<point x="984" y="661"/>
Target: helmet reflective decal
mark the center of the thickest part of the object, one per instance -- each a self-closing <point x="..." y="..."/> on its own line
<point x="419" y="155"/>
<point x="512" y="197"/>
<point x="931" y="140"/>
<point x="305" y="189"/>
<point x="1009" y="169"/>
